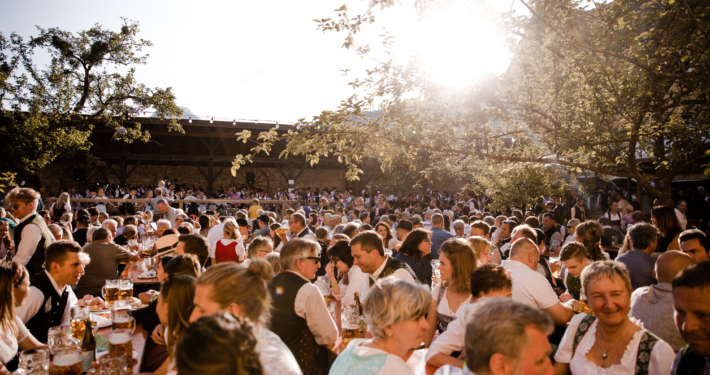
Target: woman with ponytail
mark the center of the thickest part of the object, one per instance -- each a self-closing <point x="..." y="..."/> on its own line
<point x="590" y="234"/>
<point x="14" y="289"/>
<point x="242" y="292"/>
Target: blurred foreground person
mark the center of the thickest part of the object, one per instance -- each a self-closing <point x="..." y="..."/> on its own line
<point x="395" y="313"/>
<point x="691" y="300"/>
<point x="218" y="344"/>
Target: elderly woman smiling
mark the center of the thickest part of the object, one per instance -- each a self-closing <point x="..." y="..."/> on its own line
<point x="610" y="342"/>
<point x="395" y="312"/>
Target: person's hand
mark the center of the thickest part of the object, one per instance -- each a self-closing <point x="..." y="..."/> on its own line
<point x="329" y="269"/>
<point x="158" y="335"/>
<point x="565" y="297"/>
<point x="85" y="301"/>
<point x="554" y="266"/>
<point x="134" y="257"/>
<point x="146" y="297"/>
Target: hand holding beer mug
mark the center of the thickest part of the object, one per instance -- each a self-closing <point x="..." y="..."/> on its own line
<point x="67" y="361"/>
<point x="120" y="343"/>
<point x="122" y="319"/>
<point x="110" y="291"/>
<point x="125" y="291"/>
<point x="79" y="315"/>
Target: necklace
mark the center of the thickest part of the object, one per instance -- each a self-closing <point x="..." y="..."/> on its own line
<point x="451" y="295"/>
<point x="604" y="355"/>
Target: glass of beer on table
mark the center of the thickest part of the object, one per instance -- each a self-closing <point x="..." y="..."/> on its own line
<point x="120" y="343"/>
<point x="79" y="315"/>
<point x="350" y="324"/>
<point x="113" y="365"/>
<point x="122" y="304"/>
<point x="59" y="336"/>
<point x="110" y="291"/>
<point x="122" y="319"/>
<point x="125" y="289"/>
<point x="34" y="361"/>
<point x="67" y="361"/>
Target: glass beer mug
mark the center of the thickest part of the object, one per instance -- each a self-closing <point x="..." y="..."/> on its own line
<point x="122" y="319"/>
<point x="125" y="289"/>
<point x="110" y="291"/>
<point x="79" y="315"/>
<point x="120" y="343"/>
<point x="67" y="361"/>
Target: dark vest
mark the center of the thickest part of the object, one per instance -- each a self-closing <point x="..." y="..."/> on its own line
<point x="34" y="266"/>
<point x="52" y="310"/>
<point x="392" y="265"/>
<point x="306" y="232"/>
<point x="690" y="363"/>
<point x="291" y="328"/>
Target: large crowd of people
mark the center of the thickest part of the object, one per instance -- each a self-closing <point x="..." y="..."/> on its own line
<point x="558" y="287"/>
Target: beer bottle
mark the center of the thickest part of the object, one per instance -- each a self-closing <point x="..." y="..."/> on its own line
<point x="361" y="317"/>
<point x="88" y="347"/>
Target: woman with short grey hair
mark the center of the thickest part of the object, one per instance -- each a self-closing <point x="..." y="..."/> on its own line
<point x="459" y="227"/>
<point x="609" y="341"/>
<point x="395" y="312"/>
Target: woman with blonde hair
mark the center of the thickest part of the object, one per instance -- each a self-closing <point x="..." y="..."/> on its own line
<point x="231" y="247"/>
<point x="482" y="248"/>
<point x="243" y="292"/>
<point x="395" y="311"/>
<point x="175" y="304"/>
<point x="456" y="263"/>
<point x="590" y="234"/>
<point x="61" y="206"/>
<point x="610" y="342"/>
<point x="14" y="336"/>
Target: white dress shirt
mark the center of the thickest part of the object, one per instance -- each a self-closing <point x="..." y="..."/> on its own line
<point x="530" y="287"/>
<point x="451" y="340"/>
<point x="681" y="219"/>
<point x="310" y="305"/>
<point x="347" y="292"/>
<point x="274" y="355"/>
<point x="31" y="236"/>
<point x="215" y="234"/>
<point x="398" y="274"/>
<point x="35" y="299"/>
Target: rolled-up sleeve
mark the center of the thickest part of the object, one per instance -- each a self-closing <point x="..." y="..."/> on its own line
<point x="31" y="235"/>
<point x="310" y="305"/>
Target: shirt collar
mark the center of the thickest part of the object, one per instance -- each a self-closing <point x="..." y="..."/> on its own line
<point x="375" y="275"/>
<point x="54" y="283"/>
<point x="28" y="216"/>
<point x="513" y="264"/>
<point x="298" y="274"/>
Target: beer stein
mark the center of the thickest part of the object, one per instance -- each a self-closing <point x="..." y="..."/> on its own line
<point x="122" y="319"/>
<point x="349" y="322"/>
<point x="125" y="289"/>
<point x="120" y="342"/>
<point x="79" y="314"/>
<point x="110" y="291"/>
<point x="67" y="361"/>
<point x="123" y="304"/>
<point x="34" y="361"/>
<point x="113" y="365"/>
<point x="58" y="337"/>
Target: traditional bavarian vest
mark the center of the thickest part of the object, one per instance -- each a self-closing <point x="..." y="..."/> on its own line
<point x="574" y="286"/>
<point x="36" y="263"/>
<point x="52" y="310"/>
<point x="392" y="265"/>
<point x="291" y="328"/>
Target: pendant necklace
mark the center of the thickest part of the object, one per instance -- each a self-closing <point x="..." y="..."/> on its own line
<point x="604" y="355"/>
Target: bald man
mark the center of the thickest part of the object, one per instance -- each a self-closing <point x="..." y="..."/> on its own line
<point x="653" y="305"/>
<point x="530" y="287"/>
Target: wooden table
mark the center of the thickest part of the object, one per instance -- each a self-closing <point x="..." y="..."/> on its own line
<point x="139" y="337"/>
<point x="132" y="271"/>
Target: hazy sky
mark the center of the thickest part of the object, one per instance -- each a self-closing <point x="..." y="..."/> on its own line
<point x="266" y="60"/>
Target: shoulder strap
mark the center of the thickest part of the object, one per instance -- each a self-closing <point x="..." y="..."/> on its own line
<point x="442" y="290"/>
<point x="581" y="330"/>
<point x="643" y="357"/>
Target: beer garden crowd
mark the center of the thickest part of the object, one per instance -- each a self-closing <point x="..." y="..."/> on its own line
<point x="439" y="278"/>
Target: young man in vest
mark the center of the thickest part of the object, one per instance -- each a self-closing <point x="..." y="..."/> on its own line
<point x="574" y="257"/>
<point x="51" y="297"/>
<point x="691" y="301"/>
<point x="299" y="315"/>
<point x="31" y="235"/>
<point x="369" y="254"/>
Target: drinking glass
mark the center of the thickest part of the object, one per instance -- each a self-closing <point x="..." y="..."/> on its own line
<point x="67" y="361"/>
<point x="123" y="304"/>
<point x="435" y="264"/>
<point x="125" y="289"/>
<point x="349" y="321"/>
<point x="34" y="361"/>
<point x="110" y="291"/>
<point x="79" y="315"/>
<point x="113" y="365"/>
<point x="122" y="319"/>
<point x="120" y="342"/>
<point x="555" y="246"/>
<point x="59" y="336"/>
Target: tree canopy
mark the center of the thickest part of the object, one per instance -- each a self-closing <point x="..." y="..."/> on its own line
<point x="619" y="88"/>
<point x="90" y="81"/>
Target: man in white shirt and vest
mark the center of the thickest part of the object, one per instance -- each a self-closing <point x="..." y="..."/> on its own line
<point x="31" y="235"/>
<point x="369" y="254"/>
<point x="51" y="296"/>
<point x="299" y="315"/>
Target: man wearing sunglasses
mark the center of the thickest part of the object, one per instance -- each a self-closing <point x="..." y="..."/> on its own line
<point x="31" y="235"/>
<point x="299" y="315"/>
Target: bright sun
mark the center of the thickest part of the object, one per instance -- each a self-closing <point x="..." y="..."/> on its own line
<point x="457" y="46"/>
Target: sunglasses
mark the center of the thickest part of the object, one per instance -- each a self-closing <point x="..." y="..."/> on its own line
<point x="317" y="259"/>
<point x="15" y="206"/>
